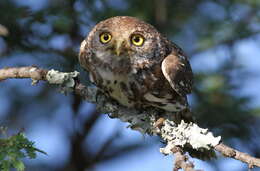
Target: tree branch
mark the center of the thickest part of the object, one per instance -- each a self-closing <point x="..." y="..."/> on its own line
<point x="3" y="30"/>
<point x="147" y="121"/>
<point x="181" y="160"/>
<point x="23" y="72"/>
<point x="235" y="154"/>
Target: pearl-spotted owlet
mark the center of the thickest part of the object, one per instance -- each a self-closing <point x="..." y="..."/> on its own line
<point x="134" y="64"/>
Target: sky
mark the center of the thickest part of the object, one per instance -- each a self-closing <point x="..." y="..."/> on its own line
<point x="52" y="139"/>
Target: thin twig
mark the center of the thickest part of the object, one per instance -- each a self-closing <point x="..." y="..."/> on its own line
<point x="3" y="30"/>
<point x="182" y="160"/>
<point x="232" y="153"/>
<point x="32" y="72"/>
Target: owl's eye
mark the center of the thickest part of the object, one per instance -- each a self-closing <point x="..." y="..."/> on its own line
<point x="137" y="40"/>
<point x="105" y="37"/>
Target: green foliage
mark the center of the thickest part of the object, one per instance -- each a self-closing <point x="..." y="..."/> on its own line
<point x="13" y="149"/>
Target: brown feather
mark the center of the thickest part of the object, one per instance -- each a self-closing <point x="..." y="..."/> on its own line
<point x="176" y="69"/>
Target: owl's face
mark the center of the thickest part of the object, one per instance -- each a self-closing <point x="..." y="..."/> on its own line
<point x="124" y="40"/>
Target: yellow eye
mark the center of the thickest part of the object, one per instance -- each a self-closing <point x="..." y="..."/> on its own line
<point x="105" y="37"/>
<point x="137" y="40"/>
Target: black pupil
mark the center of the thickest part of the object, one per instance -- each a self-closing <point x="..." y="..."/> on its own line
<point x="106" y="37"/>
<point x="136" y="39"/>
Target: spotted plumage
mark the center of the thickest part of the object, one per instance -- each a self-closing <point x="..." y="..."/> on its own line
<point x="131" y="62"/>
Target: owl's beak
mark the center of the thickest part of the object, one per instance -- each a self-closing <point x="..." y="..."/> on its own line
<point x="118" y="47"/>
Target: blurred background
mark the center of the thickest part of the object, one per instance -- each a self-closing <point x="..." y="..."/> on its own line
<point x="221" y="38"/>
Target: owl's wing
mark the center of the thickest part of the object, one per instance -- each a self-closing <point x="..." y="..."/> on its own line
<point x="177" y="70"/>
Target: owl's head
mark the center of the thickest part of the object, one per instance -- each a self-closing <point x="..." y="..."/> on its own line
<point x="124" y="37"/>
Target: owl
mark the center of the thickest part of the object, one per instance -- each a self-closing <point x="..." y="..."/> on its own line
<point x="134" y="64"/>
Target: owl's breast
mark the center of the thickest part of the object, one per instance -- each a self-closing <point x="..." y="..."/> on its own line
<point x="121" y="87"/>
<point x="140" y="87"/>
